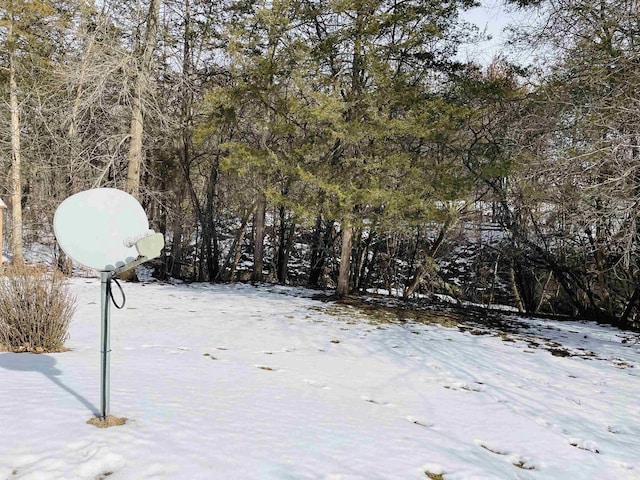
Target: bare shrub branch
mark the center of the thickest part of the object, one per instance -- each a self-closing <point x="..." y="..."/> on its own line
<point x="36" y="307"/>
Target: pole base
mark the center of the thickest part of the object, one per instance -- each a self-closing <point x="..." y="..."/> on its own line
<point x="109" y="421"/>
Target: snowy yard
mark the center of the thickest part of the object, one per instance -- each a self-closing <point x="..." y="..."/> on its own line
<point x="239" y="382"/>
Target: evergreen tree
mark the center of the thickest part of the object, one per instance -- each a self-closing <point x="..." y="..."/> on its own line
<point x="375" y="78"/>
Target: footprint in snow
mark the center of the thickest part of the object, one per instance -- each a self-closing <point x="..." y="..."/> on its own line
<point x="313" y="383"/>
<point x="376" y="402"/>
<point x="79" y="445"/>
<point x="179" y="350"/>
<point x="467" y="387"/>
<point x="421" y="422"/>
<point x="588" y="445"/>
<point x="267" y="368"/>
<point x="552" y="426"/>
<point x="491" y="448"/>
<point x="617" y="429"/>
<point x="523" y="463"/>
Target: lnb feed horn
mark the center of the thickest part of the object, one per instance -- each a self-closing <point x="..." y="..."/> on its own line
<point x="150" y="246"/>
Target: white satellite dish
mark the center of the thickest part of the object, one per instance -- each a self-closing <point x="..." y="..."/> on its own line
<point x="107" y="230"/>
<point x="92" y="227"/>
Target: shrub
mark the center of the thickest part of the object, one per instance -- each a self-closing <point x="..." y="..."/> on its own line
<point x="35" y="309"/>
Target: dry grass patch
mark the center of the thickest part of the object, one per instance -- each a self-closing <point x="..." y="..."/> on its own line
<point x="110" y="421"/>
<point x="434" y="476"/>
<point x="381" y="310"/>
<point x="523" y="466"/>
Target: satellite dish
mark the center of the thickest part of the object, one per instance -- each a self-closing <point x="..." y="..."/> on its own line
<point x="105" y="229"/>
<point x="98" y="228"/>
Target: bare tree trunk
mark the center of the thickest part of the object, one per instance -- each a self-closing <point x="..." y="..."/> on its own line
<point x="365" y="263"/>
<point x="258" y="239"/>
<point x="281" y="260"/>
<point x="358" y="249"/>
<point x="345" y="260"/>
<point x="287" y="251"/>
<point x="494" y="280"/>
<point x="174" y="262"/>
<point x="596" y="243"/>
<point x="322" y="239"/>
<point x="209" y="228"/>
<point x="238" y="250"/>
<point x="420" y="269"/>
<point x="543" y="292"/>
<point x="285" y="238"/>
<point x="16" y="176"/>
<point x="370" y="263"/>
<point x="235" y="252"/>
<point x="514" y="288"/>
<point x="184" y="158"/>
<point x="415" y="281"/>
<point x="134" y="156"/>
<point x="174" y="266"/>
<point x="2" y="208"/>
<point x="72" y="132"/>
<point x="624" y="318"/>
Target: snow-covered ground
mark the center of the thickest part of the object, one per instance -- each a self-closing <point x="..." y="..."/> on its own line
<point x="242" y="382"/>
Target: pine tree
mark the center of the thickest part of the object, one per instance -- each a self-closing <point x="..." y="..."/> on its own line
<point x="375" y="73"/>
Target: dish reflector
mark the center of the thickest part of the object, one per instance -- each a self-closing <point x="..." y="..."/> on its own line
<point x="92" y="227"/>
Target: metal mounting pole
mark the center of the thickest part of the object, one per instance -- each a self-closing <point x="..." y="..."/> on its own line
<point x="105" y="347"/>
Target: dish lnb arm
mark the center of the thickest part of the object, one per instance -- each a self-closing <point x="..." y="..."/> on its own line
<point x="149" y="245"/>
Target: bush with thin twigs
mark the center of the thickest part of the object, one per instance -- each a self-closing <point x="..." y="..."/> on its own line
<point x="36" y="307"/>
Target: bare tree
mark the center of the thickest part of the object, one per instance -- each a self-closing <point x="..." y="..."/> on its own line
<point x="16" y="162"/>
<point x="143" y="57"/>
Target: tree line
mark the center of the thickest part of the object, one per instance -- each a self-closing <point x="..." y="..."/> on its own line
<point x="340" y="143"/>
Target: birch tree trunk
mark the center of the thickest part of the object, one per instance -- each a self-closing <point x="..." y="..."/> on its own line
<point x="16" y="175"/>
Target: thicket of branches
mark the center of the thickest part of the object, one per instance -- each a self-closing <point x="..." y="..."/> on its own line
<point x="35" y="309"/>
<point x="339" y="144"/>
